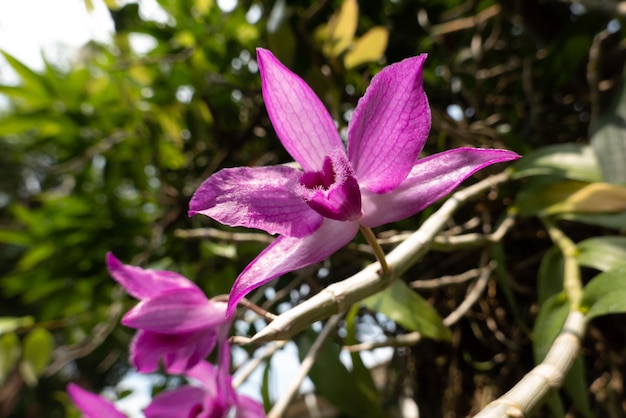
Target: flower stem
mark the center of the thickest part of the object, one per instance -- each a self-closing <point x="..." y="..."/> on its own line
<point x="378" y="251"/>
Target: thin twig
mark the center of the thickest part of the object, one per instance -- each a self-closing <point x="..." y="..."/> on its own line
<point x="246" y="370"/>
<point x="199" y="233"/>
<point x="339" y="296"/>
<point x="281" y="405"/>
<point x="473" y="240"/>
<point x="474" y="293"/>
<point x="465" y="22"/>
<point x="268" y="316"/>
<point x="405" y="340"/>
<point x="446" y="280"/>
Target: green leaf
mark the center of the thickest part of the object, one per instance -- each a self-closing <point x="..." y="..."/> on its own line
<point x="408" y="309"/>
<point x="9" y="354"/>
<point x="10" y="324"/>
<point x="575" y="385"/>
<point x="36" y="352"/>
<point x="35" y="255"/>
<point x="550" y="320"/>
<point x="29" y="78"/>
<point x="44" y="124"/>
<point x="336" y="383"/>
<point x="555" y="405"/>
<point x="607" y="220"/>
<point x="571" y="196"/>
<point x="571" y="161"/>
<point x="550" y="277"/>
<point x="605" y="294"/>
<point x="608" y="140"/>
<point x="265" y="391"/>
<point x="593" y="198"/>
<point x="280" y="37"/>
<point x="15" y="237"/>
<point x="362" y="373"/>
<point x="602" y="253"/>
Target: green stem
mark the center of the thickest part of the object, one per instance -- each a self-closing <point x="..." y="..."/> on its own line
<point x="378" y="251"/>
<point x="572" y="283"/>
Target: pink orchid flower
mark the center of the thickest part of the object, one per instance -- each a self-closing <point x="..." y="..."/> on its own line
<point x="379" y="179"/>
<point x="92" y="405"/>
<point x="176" y="321"/>
<point x="214" y="397"/>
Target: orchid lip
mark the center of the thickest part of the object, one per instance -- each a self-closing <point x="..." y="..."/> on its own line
<point x="334" y="191"/>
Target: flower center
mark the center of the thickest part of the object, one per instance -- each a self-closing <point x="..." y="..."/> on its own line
<point x="334" y="191"/>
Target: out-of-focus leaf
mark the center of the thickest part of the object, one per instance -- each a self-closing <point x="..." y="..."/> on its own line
<point x="341" y="28"/>
<point x="549" y="323"/>
<point x="35" y="255"/>
<point x="503" y="277"/>
<point x="9" y="354"/>
<point x="335" y="383"/>
<point x="607" y="220"/>
<point x="609" y="140"/>
<point x="173" y="156"/>
<point x="593" y="198"/>
<point x="36" y="352"/>
<point x="204" y="6"/>
<point x="10" y="324"/>
<point x="575" y="385"/>
<point x="555" y="405"/>
<point x="550" y="276"/>
<point x="140" y="73"/>
<point x="571" y="161"/>
<point x="15" y="237"/>
<point x="613" y="302"/>
<point x="602" y="253"/>
<point x="42" y="123"/>
<point x="29" y="79"/>
<point x="265" y="388"/>
<point x="574" y="196"/>
<point x="408" y="309"/>
<point x="282" y="42"/>
<point x="362" y="373"/>
<point x="368" y="48"/>
<point x="25" y="96"/>
<point x="605" y="294"/>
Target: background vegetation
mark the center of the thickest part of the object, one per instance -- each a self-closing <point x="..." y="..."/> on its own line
<point x="105" y="155"/>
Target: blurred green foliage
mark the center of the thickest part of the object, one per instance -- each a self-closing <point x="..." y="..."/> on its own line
<point x="104" y="156"/>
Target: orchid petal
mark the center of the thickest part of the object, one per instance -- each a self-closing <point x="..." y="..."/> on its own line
<point x="175" y="311"/>
<point x="179" y="352"/>
<point x="300" y="120"/>
<point x="92" y="405"/>
<point x="389" y="126"/>
<point x="286" y="254"/>
<point x="431" y="179"/>
<point x="249" y="408"/>
<point x="143" y="283"/>
<point x="206" y="374"/>
<point x="259" y="197"/>
<point x="185" y="401"/>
